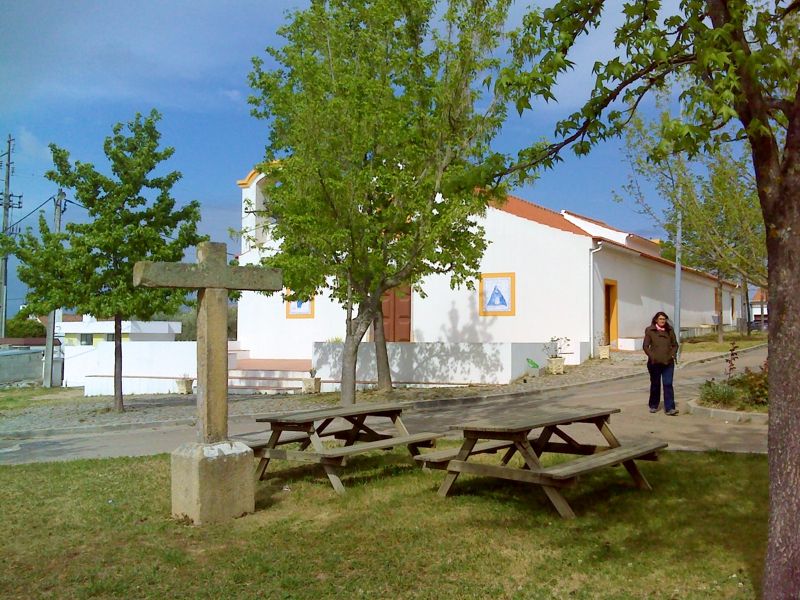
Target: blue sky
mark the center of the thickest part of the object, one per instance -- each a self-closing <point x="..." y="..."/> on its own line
<point x="70" y="70"/>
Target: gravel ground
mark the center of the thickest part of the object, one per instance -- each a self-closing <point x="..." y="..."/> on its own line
<point x="158" y="409"/>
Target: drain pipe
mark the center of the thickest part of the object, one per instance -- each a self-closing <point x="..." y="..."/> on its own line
<point x="592" y="252"/>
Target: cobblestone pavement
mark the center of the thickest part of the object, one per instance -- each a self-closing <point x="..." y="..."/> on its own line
<point x="176" y="409"/>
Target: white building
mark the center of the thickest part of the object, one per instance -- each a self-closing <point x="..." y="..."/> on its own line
<point x="544" y="275"/>
<point x="89" y="331"/>
<point x="152" y="361"/>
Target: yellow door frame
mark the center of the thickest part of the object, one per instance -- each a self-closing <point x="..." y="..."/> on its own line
<point x="611" y="311"/>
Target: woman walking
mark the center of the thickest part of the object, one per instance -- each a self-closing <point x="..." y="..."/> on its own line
<point x="661" y="347"/>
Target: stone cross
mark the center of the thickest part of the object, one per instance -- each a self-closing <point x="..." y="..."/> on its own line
<point x="212" y="277"/>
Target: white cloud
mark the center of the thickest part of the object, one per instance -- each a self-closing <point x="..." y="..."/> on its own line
<point x="167" y="53"/>
<point x="30" y="148"/>
<point x="234" y="96"/>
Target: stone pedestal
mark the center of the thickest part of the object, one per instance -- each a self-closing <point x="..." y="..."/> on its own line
<point x="555" y="365"/>
<point x="212" y="482"/>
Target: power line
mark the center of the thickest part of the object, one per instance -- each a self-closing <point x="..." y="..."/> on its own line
<point x="11" y="227"/>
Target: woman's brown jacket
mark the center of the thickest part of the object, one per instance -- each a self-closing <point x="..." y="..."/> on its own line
<point x="661" y="347"/>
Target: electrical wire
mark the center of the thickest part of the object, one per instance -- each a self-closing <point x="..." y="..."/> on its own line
<point x="10" y="227"/>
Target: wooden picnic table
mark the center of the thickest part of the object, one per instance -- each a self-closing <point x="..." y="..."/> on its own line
<point x="516" y="433"/>
<point x="310" y="427"/>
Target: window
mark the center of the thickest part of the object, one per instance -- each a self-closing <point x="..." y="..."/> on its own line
<point x="109" y="337"/>
<point x="87" y="339"/>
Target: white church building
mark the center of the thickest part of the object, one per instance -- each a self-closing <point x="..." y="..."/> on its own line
<point x="544" y="275"/>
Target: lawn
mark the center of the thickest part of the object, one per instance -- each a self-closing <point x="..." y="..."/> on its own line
<point x="709" y="343"/>
<point x="19" y="398"/>
<point x="101" y="528"/>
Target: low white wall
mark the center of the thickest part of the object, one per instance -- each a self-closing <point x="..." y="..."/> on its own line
<point x="432" y="363"/>
<point x="147" y="367"/>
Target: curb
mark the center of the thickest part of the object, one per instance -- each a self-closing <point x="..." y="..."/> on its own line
<point x="420" y="405"/>
<point x="735" y="416"/>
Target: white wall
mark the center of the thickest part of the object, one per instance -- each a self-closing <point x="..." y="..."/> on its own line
<point x="265" y="330"/>
<point x="645" y="287"/>
<point x="550" y="299"/>
<point x="147" y="367"/>
<point x="432" y="363"/>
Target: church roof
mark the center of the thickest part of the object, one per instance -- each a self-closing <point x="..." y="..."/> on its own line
<point x="539" y="214"/>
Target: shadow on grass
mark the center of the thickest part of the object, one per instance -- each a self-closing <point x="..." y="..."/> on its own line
<point x="358" y="472"/>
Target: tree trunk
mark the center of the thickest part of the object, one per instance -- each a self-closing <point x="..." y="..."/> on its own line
<point x="356" y="328"/>
<point x="782" y="571"/>
<point x="381" y="354"/>
<point x="748" y="312"/>
<point x="118" y="406"/>
<point x="720" y="311"/>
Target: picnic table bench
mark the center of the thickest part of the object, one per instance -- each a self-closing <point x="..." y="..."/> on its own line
<point x="515" y="434"/>
<point x="309" y="427"/>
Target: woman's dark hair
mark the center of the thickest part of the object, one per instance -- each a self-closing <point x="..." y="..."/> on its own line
<point x="661" y="314"/>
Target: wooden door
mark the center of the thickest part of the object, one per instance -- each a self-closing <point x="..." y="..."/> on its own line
<point x="611" y="318"/>
<point x="397" y="314"/>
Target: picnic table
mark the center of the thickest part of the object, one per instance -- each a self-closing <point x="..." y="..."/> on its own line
<point x="532" y="434"/>
<point x="346" y="423"/>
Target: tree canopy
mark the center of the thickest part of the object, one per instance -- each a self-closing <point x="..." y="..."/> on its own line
<point x="378" y="159"/>
<point x="132" y="216"/>
<point x="738" y="66"/>
<point x="715" y="195"/>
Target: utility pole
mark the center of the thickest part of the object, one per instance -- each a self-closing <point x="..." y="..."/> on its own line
<point x="7" y="206"/>
<point x="47" y="379"/>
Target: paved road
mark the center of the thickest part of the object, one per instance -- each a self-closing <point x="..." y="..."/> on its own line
<point x="686" y="432"/>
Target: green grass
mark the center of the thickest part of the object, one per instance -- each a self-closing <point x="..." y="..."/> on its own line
<point x="709" y="343"/>
<point x="19" y="398"/>
<point x="101" y="529"/>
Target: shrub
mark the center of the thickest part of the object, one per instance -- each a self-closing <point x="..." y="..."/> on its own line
<point x="746" y="391"/>
<point x="21" y="326"/>
<point x="753" y="386"/>
<point x="718" y="393"/>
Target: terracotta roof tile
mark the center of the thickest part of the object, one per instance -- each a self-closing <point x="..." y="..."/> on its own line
<point x="539" y="214"/>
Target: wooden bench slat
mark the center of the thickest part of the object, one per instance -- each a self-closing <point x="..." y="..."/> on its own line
<point x="592" y="462"/>
<point x="448" y="454"/>
<point x="391" y="442"/>
<point x="287" y="437"/>
<point x="509" y="473"/>
<point x="294" y="455"/>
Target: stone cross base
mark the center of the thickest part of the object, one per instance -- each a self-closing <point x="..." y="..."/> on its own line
<point x="212" y="482"/>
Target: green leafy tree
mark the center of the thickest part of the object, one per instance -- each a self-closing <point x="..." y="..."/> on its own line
<point x="132" y="217"/>
<point x="722" y="226"/>
<point x="738" y="66"/>
<point x="21" y="326"/>
<point x="714" y="195"/>
<point x="378" y="157"/>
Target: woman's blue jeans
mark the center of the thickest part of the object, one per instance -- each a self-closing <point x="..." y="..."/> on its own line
<point x="661" y="374"/>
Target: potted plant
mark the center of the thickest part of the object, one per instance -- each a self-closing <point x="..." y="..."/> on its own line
<point x="553" y="349"/>
<point x="185" y="384"/>
<point x="603" y="348"/>
<point x="311" y="385"/>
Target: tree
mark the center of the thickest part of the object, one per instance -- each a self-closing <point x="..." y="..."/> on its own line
<point x="722" y="225"/>
<point x="21" y="326"/>
<point x="378" y="159"/>
<point x="714" y="195"/>
<point x="739" y="68"/>
<point x="133" y="217"/>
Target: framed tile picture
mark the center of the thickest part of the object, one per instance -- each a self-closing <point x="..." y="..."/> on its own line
<point x="497" y="295"/>
<point x="300" y="309"/>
